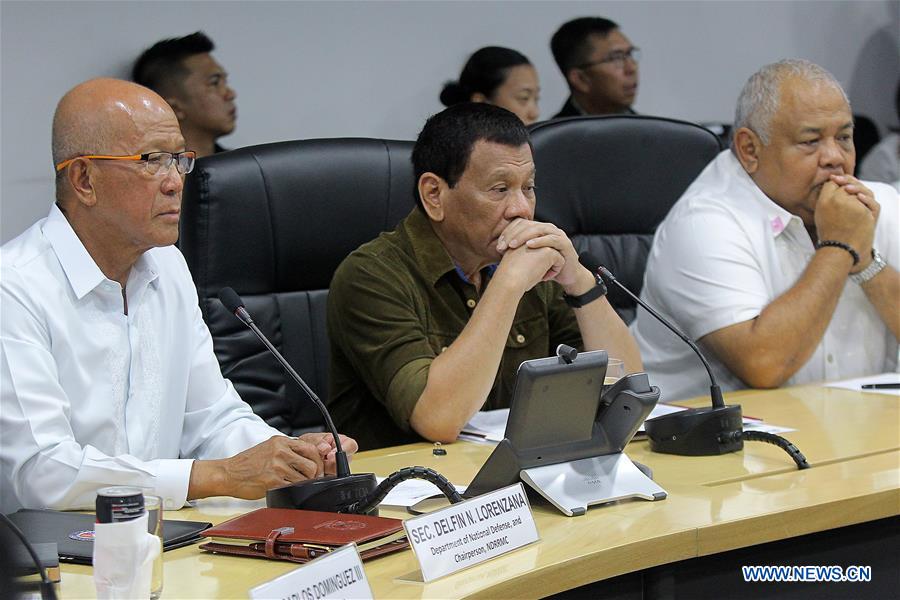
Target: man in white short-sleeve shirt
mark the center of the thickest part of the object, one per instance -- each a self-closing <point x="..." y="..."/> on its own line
<point x="776" y="258"/>
<point x="107" y="372"/>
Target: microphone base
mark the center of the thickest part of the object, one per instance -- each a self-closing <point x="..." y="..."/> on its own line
<point x="329" y="494"/>
<point x="697" y="431"/>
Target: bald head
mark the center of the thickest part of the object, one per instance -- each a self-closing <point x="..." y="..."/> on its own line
<point x="97" y="116"/>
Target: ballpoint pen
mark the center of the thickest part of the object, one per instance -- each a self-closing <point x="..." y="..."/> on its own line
<point x="881" y="386"/>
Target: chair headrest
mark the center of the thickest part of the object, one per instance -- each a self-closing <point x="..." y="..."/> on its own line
<point x="281" y="217"/>
<point x="615" y="174"/>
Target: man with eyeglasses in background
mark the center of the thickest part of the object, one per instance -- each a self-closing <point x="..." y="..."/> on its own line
<point x="184" y="72"/>
<point x="107" y="371"/>
<point x="600" y="66"/>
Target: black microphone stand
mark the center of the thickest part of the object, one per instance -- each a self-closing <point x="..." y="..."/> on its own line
<point x="343" y="492"/>
<point x="703" y="431"/>
<point x="331" y="493"/>
<point x="696" y="431"/>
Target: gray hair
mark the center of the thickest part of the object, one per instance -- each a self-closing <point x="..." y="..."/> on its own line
<point x="68" y="138"/>
<point x="761" y="95"/>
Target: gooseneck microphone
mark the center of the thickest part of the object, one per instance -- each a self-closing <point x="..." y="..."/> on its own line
<point x="331" y="494"/>
<point x="692" y="432"/>
<point x="235" y="305"/>
<point x="697" y="431"/>
<point x="593" y="265"/>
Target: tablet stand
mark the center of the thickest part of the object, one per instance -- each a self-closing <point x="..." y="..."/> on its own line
<point x="566" y="440"/>
<point x="574" y="486"/>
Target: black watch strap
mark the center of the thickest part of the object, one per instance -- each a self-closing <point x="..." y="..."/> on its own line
<point x="598" y="291"/>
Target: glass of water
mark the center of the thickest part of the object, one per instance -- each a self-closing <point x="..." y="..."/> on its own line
<point x="615" y="370"/>
<point x="154" y="507"/>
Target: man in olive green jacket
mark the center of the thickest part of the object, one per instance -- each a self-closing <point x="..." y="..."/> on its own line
<point x="429" y="323"/>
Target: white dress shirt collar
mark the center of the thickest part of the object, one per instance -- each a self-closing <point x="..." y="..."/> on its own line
<point x="778" y="218"/>
<point x="82" y="272"/>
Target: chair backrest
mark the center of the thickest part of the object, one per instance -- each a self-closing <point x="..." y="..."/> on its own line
<point x="274" y="222"/>
<point x="609" y="181"/>
<point x="865" y="137"/>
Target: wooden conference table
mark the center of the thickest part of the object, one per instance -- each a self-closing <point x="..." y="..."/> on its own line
<point x="715" y="504"/>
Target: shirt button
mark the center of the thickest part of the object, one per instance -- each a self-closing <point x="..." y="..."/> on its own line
<point x="444" y="349"/>
<point x="470" y="303"/>
<point x="830" y="358"/>
<point x="520" y="338"/>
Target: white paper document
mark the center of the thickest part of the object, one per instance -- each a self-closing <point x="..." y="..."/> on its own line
<point x="757" y="425"/>
<point x="659" y="410"/>
<point x="489" y="426"/>
<point x="486" y="426"/>
<point x="749" y="423"/>
<point x="856" y="384"/>
<point x="413" y="491"/>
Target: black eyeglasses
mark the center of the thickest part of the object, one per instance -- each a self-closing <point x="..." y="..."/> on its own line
<point x="154" y="161"/>
<point x="617" y="58"/>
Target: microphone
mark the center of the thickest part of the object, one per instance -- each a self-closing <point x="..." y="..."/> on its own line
<point x="330" y="493"/>
<point x="692" y="432"/>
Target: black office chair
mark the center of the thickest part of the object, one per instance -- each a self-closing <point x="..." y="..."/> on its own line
<point x="274" y="221"/>
<point x="722" y="130"/>
<point x="609" y="181"/>
<point x="865" y="137"/>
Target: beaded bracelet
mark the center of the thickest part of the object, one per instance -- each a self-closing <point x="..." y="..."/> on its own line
<point x="843" y="246"/>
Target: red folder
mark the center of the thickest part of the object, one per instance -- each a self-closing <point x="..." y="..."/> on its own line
<point x="302" y="535"/>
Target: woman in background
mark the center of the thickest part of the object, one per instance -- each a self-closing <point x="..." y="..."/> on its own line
<point x="499" y="76"/>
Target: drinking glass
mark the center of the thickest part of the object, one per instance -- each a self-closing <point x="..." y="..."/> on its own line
<point x="615" y="370"/>
<point x="154" y="507"/>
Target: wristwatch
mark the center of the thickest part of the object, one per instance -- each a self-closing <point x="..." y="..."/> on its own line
<point x="871" y="271"/>
<point x="598" y="291"/>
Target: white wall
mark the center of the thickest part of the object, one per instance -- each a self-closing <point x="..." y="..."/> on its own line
<point x="374" y="69"/>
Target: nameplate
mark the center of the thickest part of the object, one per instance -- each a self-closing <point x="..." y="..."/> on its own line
<point x="471" y="532"/>
<point x="338" y="575"/>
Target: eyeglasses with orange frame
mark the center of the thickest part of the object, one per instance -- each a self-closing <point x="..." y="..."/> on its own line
<point x="154" y="161"/>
